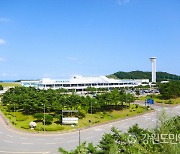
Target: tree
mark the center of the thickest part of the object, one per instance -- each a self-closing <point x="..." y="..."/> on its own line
<point x="142" y="141"/>
<point x="48" y="119"/>
<point x="106" y="142"/>
<point x="170" y="89"/>
<point x="161" y="76"/>
<point x="39" y="116"/>
<point x="137" y="92"/>
<point x="91" y="89"/>
<point x="81" y="149"/>
<point x="1" y="87"/>
<point x="130" y="98"/>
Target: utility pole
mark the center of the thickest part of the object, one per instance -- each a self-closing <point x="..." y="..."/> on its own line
<point x="14" y="114"/>
<point x="44" y="117"/>
<point x="91" y="112"/>
<point x="79" y="137"/>
<point x="91" y="108"/>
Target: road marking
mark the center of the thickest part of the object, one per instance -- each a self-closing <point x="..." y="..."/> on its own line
<point x="50" y="143"/>
<point x="7" y="141"/>
<point x="58" y="138"/>
<point x="40" y="139"/>
<point x="72" y="141"/>
<point x="9" y="135"/>
<point x="89" y="137"/>
<point x="146" y="118"/>
<point x="24" y="138"/>
<point x="110" y="126"/>
<point x="24" y="152"/>
<point x="91" y="132"/>
<point x="27" y="143"/>
<point x="73" y="137"/>
<point x="98" y="129"/>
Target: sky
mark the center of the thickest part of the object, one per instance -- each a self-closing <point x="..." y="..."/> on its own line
<point x="62" y="38"/>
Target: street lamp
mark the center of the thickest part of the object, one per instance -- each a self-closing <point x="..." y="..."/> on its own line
<point x="90" y="121"/>
<point x="79" y="132"/>
<point x="91" y="108"/>
<point x="44" y="116"/>
<point x="79" y="137"/>
<point x="14" y="114"/>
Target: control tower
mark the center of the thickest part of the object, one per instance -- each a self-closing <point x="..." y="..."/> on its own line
<point x="153" y="61"/>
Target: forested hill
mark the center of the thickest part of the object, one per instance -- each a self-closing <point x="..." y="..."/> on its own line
<point x="161" y="76"/>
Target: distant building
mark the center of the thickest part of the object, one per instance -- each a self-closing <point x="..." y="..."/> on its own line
<point x="80" y="83"/>
<point x="164" y="81"/>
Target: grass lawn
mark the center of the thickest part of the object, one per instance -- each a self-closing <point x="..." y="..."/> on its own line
<point x="22" y="121"/>
<point x="10" y="84"/>
<point x="170" y="101"/>
<point x="157" y="99"/>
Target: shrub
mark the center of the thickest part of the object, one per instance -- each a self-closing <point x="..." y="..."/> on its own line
<point x="136" y="106"/>
<point x="1" y="87"/>
<point x="25" y="127"/>
<point x="14" y="123"/>
<point x="39" y="128"/>
<point x="22" y="118"/>
<point x="39" y="116"/>
<point x="49" y="128"/>
<point x="170" y="102"/>
<point x="82" y="114"/>
<point x="54" y="128"/>
<point x="48" y="119"/>
<point x="97" y="121"/>
<point x="60" y="128"/>
<point x="59" y="117"/>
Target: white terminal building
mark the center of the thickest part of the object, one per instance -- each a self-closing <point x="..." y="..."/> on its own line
<point x="80" y="83"/>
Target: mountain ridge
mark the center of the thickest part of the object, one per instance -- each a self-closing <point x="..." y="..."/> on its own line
<point x="160" y="76"/>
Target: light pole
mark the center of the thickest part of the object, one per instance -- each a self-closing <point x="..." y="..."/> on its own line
<point x="14" y="114"/>
<point x="91" y="108"/>
<point x="90" y="121"/>
<point x="44" y="116"/>
<point x="79" y="137"/>
<point x="79" y="133"/>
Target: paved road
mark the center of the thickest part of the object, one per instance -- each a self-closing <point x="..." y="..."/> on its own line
<point x="15" y="142"/>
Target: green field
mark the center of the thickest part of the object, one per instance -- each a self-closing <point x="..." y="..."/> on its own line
<point x="22" y="121"/>
<point x="10" y="84"/>
<point x="170" y="101"/>
<point x="158" y="99"/>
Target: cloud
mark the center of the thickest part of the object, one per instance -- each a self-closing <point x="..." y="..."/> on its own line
<point x="2" y="19"/>
<point x="2" y="41"/>
<point x="74" y="59"/>
<point x="47" y="75"/>
<point x="2" y="59"/>
<point x="4" y="74"/>
<point x="121" y="2"/>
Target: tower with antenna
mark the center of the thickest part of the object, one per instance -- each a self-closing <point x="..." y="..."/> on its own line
<point x="153" y="61"/>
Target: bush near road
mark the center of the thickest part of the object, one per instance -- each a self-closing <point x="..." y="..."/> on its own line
<point x="163" y="139"/>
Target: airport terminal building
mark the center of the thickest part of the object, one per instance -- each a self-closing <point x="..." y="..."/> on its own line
<point x="80" y="83"/>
